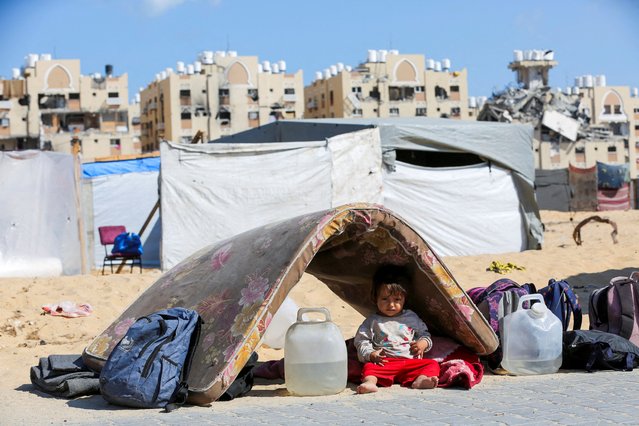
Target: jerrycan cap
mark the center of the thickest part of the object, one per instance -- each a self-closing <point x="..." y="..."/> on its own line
<point x="537" y="310"/>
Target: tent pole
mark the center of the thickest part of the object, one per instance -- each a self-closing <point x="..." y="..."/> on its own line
<point x="78" y="182"/>
<point x="146" y="223"/>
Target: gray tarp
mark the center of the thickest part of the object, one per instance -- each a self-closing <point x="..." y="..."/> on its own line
<point x="507" y="145"/>
<point x="553" y="189"/>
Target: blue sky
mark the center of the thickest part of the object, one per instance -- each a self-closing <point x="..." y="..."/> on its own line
<point x="143" y="37"/>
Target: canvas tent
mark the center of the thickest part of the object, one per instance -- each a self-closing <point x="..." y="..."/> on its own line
<point x="39" y="214"/>
<point x="122" y="193"/>
<point x="466" y="186"/>
<point x="214" y="191"/>
<point x="238" y="284"/>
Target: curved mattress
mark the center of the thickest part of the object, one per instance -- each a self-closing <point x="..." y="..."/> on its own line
<point x="238" y="284"/>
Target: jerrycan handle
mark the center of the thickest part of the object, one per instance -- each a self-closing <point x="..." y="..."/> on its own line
<point x="302" y="311"/>
<point x="528" y="297"/>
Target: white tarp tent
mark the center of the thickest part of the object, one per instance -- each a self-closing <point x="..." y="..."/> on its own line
<point x="214" y="191"/>
<point x="39" y="214"/>
<point x="467" y="186"/>
<point x="122" y="192"/>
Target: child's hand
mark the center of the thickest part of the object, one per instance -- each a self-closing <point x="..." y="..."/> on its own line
<point x="419" y="347"/>
<point x="377" y="357"/>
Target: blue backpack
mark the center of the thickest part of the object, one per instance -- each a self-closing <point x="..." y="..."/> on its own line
<point x="563" y="302"/>
<point x="128" y="243"/>
<point x="148" y="368"/>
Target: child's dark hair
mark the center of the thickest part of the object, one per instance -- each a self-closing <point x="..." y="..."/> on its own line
<point x="393" y="276"/>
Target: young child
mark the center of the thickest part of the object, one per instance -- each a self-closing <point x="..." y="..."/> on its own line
<point x="392" y="342"/>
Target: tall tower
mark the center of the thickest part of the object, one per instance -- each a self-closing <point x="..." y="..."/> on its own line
<point x="532" y="67"/>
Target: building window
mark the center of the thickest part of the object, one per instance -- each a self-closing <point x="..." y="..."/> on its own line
<point x="580" y="154"/>
<point x="420" y="112"/>
<point x="253" y="115"/>
<point x="289" y="91"/>
<point x="357" y="112"/>
<point x="114" y="95"/>
<point x="455" y="111"/>
<point x="322" y="105"/>
<point x="185" y="116"/>
<point x="185" y="93"/>
<point x="440" y="93"/>
<point x="224" y="92"/>
<point x="252" y="93"/>
<point x="401" y="93"/>
<point x="454" y="89"/>
<point x="612" y="148"/>
<point x="617" y="109"/>
<point x="74" y="96"/>
<point x="224" y="117"/>
<point x="419" y="89"/>
<point x="115" y="143"/>
<point x="330" y="96"/>
<point x="394" y="112"/>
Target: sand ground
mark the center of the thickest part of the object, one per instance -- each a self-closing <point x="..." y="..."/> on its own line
<point x="26" y="334"/>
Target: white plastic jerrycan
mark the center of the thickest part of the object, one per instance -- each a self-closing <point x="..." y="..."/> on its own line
<point x="532" y="339"/>
<point x="315" y="360"/>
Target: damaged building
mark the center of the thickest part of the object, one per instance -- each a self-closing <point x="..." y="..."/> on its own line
<point x="578" y="128"/>
<point x="48" y="104"/>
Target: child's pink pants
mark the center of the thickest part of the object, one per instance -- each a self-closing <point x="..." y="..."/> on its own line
<point x="401" y="370"/>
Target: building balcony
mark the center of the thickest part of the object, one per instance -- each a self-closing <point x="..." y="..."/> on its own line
<point x="114" y="101"/>
<point x="290" y="97"/>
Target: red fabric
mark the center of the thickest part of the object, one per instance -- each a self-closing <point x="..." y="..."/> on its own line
<point x="613" y="199"/>
<point x="401" y="370"/>
<point x="461" y="368"/>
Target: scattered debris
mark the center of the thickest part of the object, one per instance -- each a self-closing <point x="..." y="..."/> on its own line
<point x="502" y="268"/>
<point x="68" y="309"/>
<point x="576" y="235"/>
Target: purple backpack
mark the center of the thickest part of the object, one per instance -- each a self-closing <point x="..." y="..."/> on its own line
<point x="488" y="301"/>
<point x="615" y="308"/>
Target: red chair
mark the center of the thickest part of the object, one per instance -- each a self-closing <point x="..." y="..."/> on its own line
<point x="107" y="238"/>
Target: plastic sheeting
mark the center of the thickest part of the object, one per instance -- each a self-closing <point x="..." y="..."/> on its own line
<point x="215" y="191"/>
<point x="553" y="189"/>
<point x="507" y="145"/>
<point x="38" y="219"/>
<point x="125" y="199"/>
<point x="150" y="164"/>
<point x="459" y="210"/>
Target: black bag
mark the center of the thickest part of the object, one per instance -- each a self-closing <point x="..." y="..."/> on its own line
<point x="598" y="350"/>
<point x="243" y="383"/>
<point x="65" y="376"/>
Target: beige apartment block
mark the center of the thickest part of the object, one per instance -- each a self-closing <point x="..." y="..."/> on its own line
<point x="219" y="94"/>
<point x="48" y="104"/>
<point x="389" y="84"/>
<point x="611" y="137"/>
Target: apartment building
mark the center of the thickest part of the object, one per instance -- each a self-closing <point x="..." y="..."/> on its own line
<point x="49" y="104"/>
<point x="221" y="93"/>
<point x="389" y="84"/>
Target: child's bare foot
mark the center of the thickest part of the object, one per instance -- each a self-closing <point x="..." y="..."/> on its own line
<point x="367" y="387"/>
<point x="425" y="382"/>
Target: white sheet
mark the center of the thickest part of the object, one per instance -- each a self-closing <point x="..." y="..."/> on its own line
<point x="460" y="211"/>
<point x="38" y="215"/>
